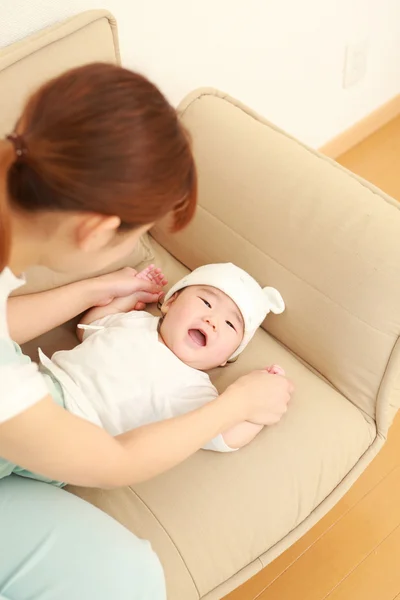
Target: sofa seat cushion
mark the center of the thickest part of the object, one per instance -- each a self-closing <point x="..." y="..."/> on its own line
<point x="215" y="514"/>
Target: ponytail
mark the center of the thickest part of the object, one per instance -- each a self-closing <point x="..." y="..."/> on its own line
<point x="7" y="156"/>
<point x="102" y="139"/>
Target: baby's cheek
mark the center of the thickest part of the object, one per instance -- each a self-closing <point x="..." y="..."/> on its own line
<point x="226" y="352"/>
<point x="236" y="345"/>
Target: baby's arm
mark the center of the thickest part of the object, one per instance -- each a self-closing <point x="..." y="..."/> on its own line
<point x="191" y="397"/>
<point x="242" y="434"/>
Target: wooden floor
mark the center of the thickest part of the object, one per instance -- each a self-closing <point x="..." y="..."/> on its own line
<point x="377" y="159"/>
<point x="354" y="552"/>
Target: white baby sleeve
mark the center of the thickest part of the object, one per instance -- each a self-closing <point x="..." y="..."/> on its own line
<point x="132" y="318"/>
<point x="218" y="444"/>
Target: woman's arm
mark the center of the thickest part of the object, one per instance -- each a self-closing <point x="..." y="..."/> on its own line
<point x="118" y="305"/>
<point x="48" y="440"/>
<point x="137" y="300"/>
<point x="30" y="316"/>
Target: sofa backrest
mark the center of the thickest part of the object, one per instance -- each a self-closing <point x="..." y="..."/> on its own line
<point x="328" y="240"/>
<point x="88" y="37"/>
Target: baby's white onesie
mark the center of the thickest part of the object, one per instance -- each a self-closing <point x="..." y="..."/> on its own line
<point x="122" y="377"/>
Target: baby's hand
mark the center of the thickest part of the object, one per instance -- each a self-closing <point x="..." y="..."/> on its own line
<point x="275" y="370"/>
<point x="153" y="274"/>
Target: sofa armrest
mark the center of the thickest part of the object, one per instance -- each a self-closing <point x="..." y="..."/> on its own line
<point x="328" y="240"/>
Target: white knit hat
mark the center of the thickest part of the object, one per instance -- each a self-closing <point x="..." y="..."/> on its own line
<point x="253" y="301"/>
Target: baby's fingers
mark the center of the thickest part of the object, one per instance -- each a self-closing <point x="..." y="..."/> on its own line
<point x="145" y="273"/>
<point x="153" y="274"/>
<point x="159" y="277"/>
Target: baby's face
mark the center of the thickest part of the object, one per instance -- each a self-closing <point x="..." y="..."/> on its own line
<point x="202" y="326"/>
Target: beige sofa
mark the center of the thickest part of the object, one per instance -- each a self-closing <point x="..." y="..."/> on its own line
<point x="330" y="242"/>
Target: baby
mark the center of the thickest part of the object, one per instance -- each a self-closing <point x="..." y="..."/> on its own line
<point x="133" y="368"/>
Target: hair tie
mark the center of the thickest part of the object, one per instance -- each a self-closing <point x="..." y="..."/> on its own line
<point x="19" y="144"/>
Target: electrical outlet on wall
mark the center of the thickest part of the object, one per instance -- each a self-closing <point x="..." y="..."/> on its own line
<point x="355" y="63"/>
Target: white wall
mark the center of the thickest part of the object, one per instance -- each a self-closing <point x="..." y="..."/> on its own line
<point x="284" y="58"/>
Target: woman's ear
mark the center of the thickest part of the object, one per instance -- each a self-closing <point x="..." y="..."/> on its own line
<point x="166" y="305"/>
<point x="94" y="232"/>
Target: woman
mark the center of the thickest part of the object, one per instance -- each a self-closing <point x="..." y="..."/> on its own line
<point x="97" y="157"/>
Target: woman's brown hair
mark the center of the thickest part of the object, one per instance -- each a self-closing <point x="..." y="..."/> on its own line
<point x="98" y="138"/>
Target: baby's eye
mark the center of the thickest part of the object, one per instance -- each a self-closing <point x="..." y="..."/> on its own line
<point x="206" y="303"/>
<point x="230" y="324"/>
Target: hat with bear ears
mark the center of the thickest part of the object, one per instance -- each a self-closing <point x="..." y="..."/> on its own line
<point x="253" y="301"/>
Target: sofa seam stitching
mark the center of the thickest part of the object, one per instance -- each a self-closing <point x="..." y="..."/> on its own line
<point x="315" y="153"/>
<point x="379" y="400"/>
<point x="168" y="535"/>
<point x="45" y="31"/>
<point x="323" y="533"/>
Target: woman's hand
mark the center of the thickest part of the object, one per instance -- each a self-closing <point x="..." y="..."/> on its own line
<point x="263" y="397"/>
<point x="126" y="282"/>
<point x="144" y="288"/>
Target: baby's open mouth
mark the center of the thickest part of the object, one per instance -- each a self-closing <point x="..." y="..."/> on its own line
<point x="198" y="336"/>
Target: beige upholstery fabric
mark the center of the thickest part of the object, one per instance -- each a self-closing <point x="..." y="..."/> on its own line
<point x="220" y="514"/>
<point x="328" y="242"/>
<point x="86" y="38"/>
<point x="297" y="221"/>
<point x="41" y="278"/>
